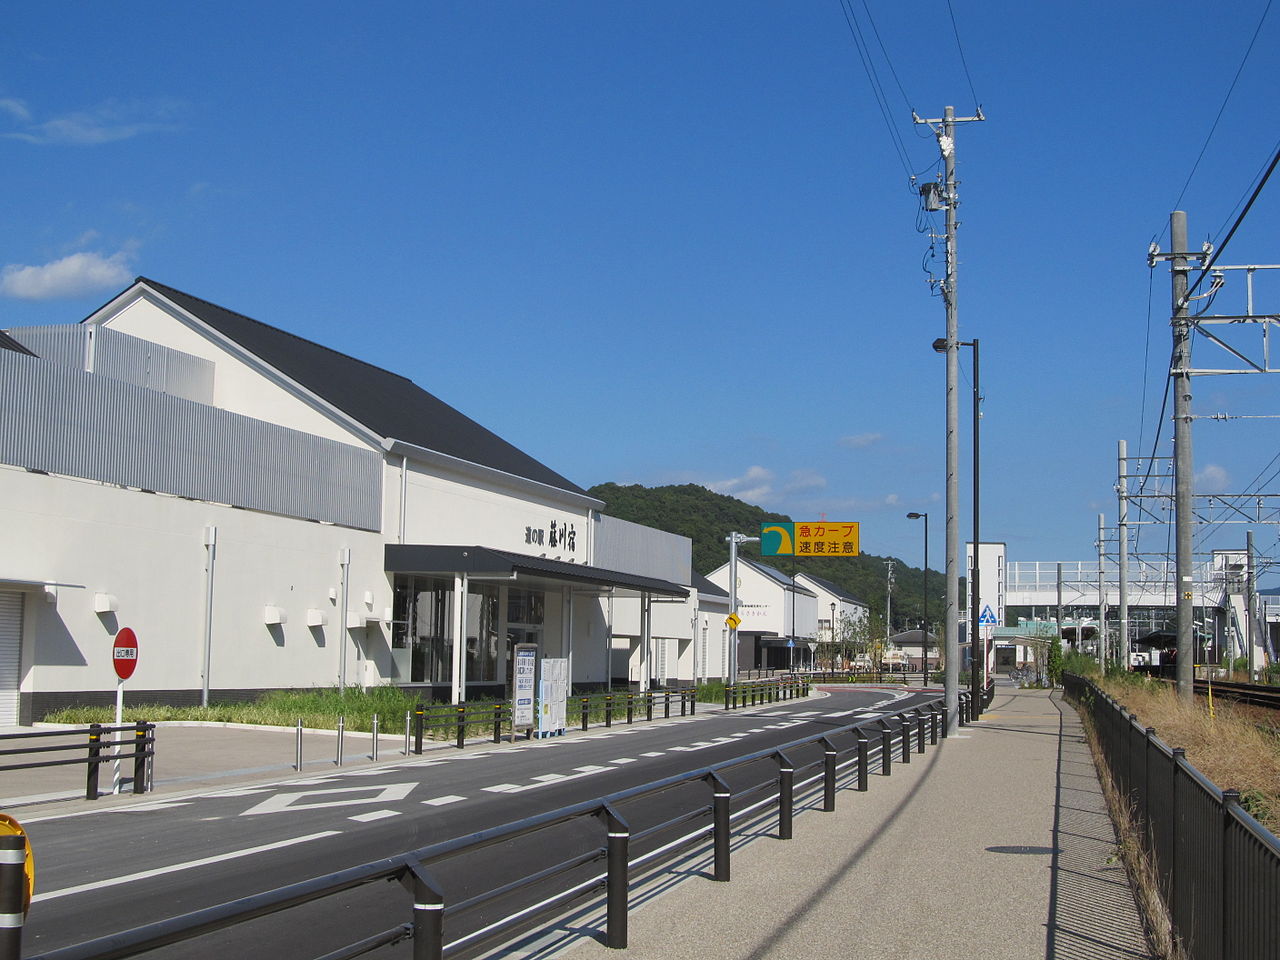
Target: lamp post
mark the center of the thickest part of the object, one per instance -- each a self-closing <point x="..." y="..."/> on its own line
<point x="833" y="637"/>
<point x="924" y="643"/>
<point x="977" y="664"/>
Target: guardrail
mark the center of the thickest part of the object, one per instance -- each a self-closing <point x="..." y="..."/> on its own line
<point x="1218" y="869"/>
<point x="750" y="693"/>
<point x="140" y="744"/>
<point x="618" y="831"/>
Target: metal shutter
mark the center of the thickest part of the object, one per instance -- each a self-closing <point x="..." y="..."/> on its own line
<point x="10" y="656"/>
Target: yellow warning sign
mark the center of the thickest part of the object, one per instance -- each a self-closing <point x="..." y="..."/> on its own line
<point x="11" y="827"/>
<point x="733" y="620"/>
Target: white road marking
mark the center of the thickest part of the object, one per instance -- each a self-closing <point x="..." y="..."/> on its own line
<point x="388" y="793"/>
<point x="840" y="713"/>
<point x="156" y="805"/>
<point x="624" y="760"/>
<point x="703" y="744"/>
<point x="807" y="713"/>
<point x="655" y="753"/>
<point x="869" y="716"/>
<point x="441" y="801"/>
<point x="174" y="868"/>
<point x="548" y="777"/>
<point x="501" y="788"/>
<point x="236" y="792"/>
<point x="375" y="815"/>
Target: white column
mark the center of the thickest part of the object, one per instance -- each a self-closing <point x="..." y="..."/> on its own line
<point x="459" y="626"/>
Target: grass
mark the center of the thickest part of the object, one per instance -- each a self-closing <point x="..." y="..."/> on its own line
<point x="1228" y="748"/>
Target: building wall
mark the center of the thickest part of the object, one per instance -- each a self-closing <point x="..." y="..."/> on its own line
<point x="147" y="551"/>
<point x="238" y="384"/>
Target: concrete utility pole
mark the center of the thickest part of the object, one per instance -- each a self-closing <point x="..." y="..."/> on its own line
<point x="1184" y="515"/>
<point x="977" y="642"/>
<point x="1251" y="600"/>
<point x="944" y="130"/>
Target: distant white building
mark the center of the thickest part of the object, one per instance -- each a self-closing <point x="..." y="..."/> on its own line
<point x="835" y="604"/>
<point x="779" y="626"/>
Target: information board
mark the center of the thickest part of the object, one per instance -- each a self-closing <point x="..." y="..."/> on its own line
<point x="525" y="658"/>
<point x="813" y="538"/>
<point x="553" y="693"/>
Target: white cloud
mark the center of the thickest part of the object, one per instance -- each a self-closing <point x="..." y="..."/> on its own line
<point x="15" y="108"/>
<point x="754" y="486"/>
<point x="1212" y="479"/>
<point x="105" y="123"/>
<point x="892" y="500"/>
<point x="805" y="480"/>
<point x="860" y="440"/>
<point x="72" y="276"/>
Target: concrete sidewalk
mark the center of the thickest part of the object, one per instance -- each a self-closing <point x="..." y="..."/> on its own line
<point x="996" y="844"/>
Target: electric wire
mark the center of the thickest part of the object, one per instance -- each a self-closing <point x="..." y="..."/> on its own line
<point x="887" y="59"/>
<point x="963" y="62"/>
<point x="1221" y="109"/>
<point x="877" y="90"/>
<point x="1221" y="248"/>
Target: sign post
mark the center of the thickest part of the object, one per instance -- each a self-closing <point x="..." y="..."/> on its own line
<point x="522" y="686"/>
<point x="124" y="657"/>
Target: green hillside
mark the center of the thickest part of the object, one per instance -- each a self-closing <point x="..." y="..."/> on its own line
<point x="707" y="518"/>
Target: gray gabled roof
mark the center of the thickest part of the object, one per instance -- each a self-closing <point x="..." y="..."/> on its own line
<point x="390" y="405"/>
<point x="8" y="343"/>
<point x="776" y="575"/>
<point x="830" y="587"/>
<point x="703" y="585"/>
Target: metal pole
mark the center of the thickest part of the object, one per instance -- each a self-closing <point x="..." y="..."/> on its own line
<point x="344" y="561"/>
<point x="13" y="858"/>
<point x="373" y="755"/>
<point x="1060" y="609"/>
<point x="977" y="643"/>
<point x="1103" y="646"/>
<point x="211" y="555"/>
<point x="924" y="681"/>
<point x="732" y="666"/>
<point x="1122" y="552"/>
<point x="1251" y="600"/>
<point x="1184" y="518"/>
<point x="297" y="747"/>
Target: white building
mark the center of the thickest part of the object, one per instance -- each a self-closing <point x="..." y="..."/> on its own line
<point x="265" y="512"/>
<point x="835" y="605"/>
<point x="779" y="618"/>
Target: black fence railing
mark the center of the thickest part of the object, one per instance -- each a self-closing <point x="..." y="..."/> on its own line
<point x="751" y="693"/>
<point x="1218" y="869"/>
<point x="601" y="846"/>
<point x="137" y="740"/>
<point x="458" y="722"/>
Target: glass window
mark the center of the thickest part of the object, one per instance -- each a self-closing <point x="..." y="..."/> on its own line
<point x="482" y="632"/>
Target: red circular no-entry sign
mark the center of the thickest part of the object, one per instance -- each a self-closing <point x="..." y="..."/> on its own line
<point x="124" y="653"/>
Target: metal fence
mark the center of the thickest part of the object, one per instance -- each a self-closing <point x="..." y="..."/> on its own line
<point x="1218" y="869"/>
<point x="619" y="837"/>
<point x="138" y="746"/>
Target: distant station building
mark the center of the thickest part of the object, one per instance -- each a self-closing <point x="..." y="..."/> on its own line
<point x="265" y="512"/>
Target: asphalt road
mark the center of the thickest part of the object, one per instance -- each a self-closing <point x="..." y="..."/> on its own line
<point x="102" y="872"/>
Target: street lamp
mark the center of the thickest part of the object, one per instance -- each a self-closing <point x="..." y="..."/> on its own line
<point x="833" y="636"/>
<point x="924" y="643"/>
<point x="977" y="664"/>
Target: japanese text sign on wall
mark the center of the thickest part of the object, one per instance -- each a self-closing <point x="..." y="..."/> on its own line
<point x="816" y="538"/>
<point x="562" y="535"/>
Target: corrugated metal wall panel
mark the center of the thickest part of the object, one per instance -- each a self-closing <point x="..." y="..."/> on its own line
<point x="644" y="551"/>
<point x="10" y="655"/>
<point x="70" y="422"/>
<point x="122" y="357"/>
<point x="61" y="344"/>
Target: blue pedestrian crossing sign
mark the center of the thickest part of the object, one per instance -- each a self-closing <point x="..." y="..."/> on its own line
<point x="987" y="618"/>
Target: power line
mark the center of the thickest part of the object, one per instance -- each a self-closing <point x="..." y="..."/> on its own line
<point x="963" y="62"/>
<point x="1234" y="80"/>
<point x="877" y="90"/>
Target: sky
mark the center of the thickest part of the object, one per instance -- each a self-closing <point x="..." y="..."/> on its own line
<point x="658" y="242"/>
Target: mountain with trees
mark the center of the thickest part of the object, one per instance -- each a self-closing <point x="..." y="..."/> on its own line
<point x="707" y="518"/>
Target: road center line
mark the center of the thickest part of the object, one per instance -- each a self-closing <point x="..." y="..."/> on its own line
<point x="174" y="868"/>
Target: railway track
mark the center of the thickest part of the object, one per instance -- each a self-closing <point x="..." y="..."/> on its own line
<point x="1257" y="694"/>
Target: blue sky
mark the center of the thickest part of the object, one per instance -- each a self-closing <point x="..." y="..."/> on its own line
<point x="657" y="242"/>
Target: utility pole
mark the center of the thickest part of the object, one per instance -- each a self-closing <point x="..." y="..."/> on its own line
<point x="1184" y="515"/>
<point x="977" y="664"/>
<point x="1122" y="537"/>
<point x="944" y="129"/>
<point x="1251" y="601"/>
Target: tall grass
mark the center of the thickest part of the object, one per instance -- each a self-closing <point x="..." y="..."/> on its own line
<point x="1229" y="747"/>
<point x="318" y="708"/>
